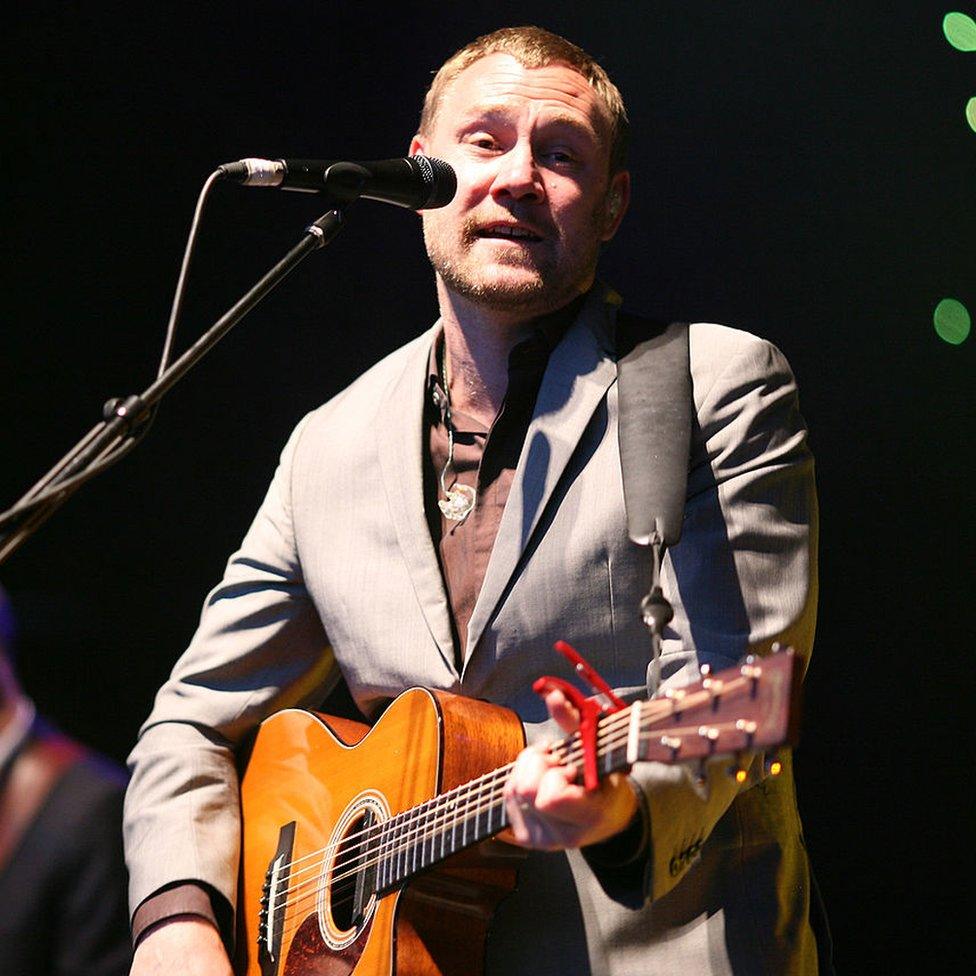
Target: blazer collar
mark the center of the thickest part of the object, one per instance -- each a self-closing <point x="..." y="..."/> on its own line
<point x="401" y="442"/>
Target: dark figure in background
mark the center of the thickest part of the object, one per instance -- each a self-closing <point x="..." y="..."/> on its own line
<point x="62" y="873"/>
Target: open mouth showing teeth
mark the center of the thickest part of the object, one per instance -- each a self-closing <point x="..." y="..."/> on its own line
<point x="508" y="233"/>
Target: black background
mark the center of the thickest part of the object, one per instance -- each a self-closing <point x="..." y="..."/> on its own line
<point x="804" y="171"/>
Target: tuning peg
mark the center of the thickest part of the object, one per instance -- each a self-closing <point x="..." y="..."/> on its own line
<point x="713" y="686"/>
<point x="673" y="743"/>
<point x="710" y="734"/>
<point x="773" y="765"/>
<point x="748" y="728"/>
<point x="752" y="670"/>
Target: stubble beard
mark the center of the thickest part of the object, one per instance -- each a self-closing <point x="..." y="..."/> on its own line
<point x="548" y="288"/>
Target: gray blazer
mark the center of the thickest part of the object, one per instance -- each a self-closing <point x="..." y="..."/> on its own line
<point x="338" y="572"/>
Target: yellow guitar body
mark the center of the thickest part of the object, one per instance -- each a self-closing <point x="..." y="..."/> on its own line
<point x="310" y="785"/>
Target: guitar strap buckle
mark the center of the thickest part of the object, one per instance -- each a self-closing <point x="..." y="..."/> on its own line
<point x="604" y="701"/>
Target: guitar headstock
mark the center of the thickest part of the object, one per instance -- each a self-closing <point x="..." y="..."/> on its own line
<point x="755" y="705"/>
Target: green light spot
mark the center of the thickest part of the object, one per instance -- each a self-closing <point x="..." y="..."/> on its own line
<point x="951" y="321"/>
<point x="960" y="31"/>
<point x="971" y="113"/>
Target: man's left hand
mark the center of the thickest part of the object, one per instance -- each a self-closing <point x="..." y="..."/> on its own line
<point x="548" y="810"/>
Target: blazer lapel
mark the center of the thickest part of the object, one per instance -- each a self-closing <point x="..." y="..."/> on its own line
<point x="580" y="371"/>
<point x="401" y="451"/>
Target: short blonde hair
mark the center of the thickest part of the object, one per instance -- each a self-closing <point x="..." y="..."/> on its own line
<point x="535" y="47"/>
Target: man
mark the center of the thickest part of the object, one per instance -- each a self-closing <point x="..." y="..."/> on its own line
<point x="62" y="874"/>
<point x="456" y="510"/>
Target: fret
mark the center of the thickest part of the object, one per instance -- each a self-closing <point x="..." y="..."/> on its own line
<point x="458" y="815"/>
<point x="430" y="835"/>
<point x="413" y="844"/>
<point x="391" y="872"/>
<point x="377" y="854"/>
<point x="449" y="813"/>
<point x="477" y="815"/>
<point x="423" y="831"/>
<point x="401" y="853"/>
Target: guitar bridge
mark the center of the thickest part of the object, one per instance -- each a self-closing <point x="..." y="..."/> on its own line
<point x="274" y="894"/>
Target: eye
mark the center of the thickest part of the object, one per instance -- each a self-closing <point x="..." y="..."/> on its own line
<point x="484" y="141"/>
<point x="561" y="157"/>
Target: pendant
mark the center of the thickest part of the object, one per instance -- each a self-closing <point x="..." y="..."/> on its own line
<point x="459" y="502"/>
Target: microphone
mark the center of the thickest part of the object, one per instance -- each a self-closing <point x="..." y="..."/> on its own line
<point x="415" y="182"/>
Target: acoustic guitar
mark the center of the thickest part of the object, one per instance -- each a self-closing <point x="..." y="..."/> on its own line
<point x="368" y="851"/>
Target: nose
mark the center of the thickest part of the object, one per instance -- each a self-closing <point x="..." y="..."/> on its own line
<point x="518" y="176"/>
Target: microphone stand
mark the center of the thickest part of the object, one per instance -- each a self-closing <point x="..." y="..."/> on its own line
<point x="127" y="419"/>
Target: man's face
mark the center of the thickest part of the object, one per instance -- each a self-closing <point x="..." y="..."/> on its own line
<point x="534" y="198"/>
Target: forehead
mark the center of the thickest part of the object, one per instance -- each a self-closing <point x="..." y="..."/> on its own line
<point x="500" y="84"/>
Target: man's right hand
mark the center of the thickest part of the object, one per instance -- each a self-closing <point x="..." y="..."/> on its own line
<point x="186" y="945"/>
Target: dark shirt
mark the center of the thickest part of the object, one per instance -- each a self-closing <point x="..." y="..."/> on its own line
<point x="484" y="459"/>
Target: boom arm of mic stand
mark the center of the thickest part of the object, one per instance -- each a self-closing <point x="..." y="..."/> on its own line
<point x="116" y="435"/>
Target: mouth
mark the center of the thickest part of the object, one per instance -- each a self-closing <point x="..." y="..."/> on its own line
<point x="508" y="232"/>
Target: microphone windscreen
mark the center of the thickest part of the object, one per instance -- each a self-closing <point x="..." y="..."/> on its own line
<point x="439" y="177"/>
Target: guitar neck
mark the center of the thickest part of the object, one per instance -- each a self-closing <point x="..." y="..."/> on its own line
<point x="738" y="710"/>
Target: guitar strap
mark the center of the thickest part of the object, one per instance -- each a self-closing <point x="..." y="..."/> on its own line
<point x="654" y="384"/>
<point x="654" y="433"/>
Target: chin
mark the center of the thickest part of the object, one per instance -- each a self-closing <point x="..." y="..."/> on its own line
<point x="503" y="291"/>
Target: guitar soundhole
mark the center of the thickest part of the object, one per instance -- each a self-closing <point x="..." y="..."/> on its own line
<point x="348" y="892"/>
<point x="351" y="892"/>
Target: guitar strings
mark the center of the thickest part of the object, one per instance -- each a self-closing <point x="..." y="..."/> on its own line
<point x="297" y="919"/>
<point x="417" y="830"/>
<point x="609" y="725"/>
<point x="422" y="828"/>
<point x="447" y="811"/>
<point x="457" y="807"/>
<point x="419" y="825"/>
<point x="456" y="803"/>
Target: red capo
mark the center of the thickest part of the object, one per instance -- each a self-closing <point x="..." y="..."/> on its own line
<point x="602" y="702"/>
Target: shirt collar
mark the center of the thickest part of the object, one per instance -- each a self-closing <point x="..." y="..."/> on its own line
<point x="535" y="349"/>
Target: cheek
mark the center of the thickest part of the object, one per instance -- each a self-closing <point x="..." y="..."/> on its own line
<point x="573" y="209"/>
<point x="474" y="179"/>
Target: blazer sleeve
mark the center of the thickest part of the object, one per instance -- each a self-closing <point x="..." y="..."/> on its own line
<point x="260" y="646"/>
<point x="744" y="574"/>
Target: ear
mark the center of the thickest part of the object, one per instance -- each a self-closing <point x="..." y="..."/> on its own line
<point x="618" y="200"/>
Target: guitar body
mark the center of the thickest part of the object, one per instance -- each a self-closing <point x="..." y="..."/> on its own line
<point x="305" y="801"/>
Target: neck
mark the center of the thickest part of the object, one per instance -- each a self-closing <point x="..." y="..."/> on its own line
<point x="477" y="343"/>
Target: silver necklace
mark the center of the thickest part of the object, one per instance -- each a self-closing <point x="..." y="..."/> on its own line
<point x="458" y="500"/>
